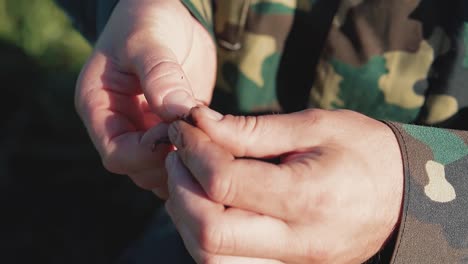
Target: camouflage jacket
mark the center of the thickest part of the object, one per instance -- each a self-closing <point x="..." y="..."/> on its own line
<point x="402" y="61"/>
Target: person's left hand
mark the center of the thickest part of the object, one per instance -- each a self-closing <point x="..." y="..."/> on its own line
<point x="335" y="197"/>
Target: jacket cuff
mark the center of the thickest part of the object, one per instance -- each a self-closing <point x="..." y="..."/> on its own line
<point x="90" y="17"/>
<point x="202" y="10"/>
<point x="104" y="11"/>
<point x="434" y="220"/>
<point x="83" y="16"/>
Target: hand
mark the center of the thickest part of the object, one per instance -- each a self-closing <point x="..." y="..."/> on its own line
<point x="145" y="69"/>
<point x="335" y="197"/>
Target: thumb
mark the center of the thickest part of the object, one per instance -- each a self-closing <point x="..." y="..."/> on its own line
<point x="262" y="136"/>
<point x="163" y="82"/>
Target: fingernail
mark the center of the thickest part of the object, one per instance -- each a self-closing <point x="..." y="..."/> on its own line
<point x="211" y="114"/>
<point x="178" y="103"/>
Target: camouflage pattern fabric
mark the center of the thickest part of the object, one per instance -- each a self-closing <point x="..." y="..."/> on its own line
<point x="395" y="60"/>
<point x="434" y="224"/>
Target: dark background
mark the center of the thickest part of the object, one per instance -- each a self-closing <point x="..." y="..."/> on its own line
<point x="57" y="203"/>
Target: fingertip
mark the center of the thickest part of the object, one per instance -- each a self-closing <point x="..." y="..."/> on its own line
<point x="184" y="132"/>
<point x="177" y="104"/>
<point x="206" y="119"/>
<point x="203" y="112"/>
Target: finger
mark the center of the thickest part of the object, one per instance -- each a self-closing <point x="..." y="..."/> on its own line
<point x="163" y="81"/>
<point x="109" y="115"/>
<point x="138" y="152"/>
<point x="249" y="184"/>
<point x="112" y="119"/>
<point x="263" y="136"/>
<point x="202" y="256"/>
<point x="101" y="87"/>
<point x="154" y="179"/>
<point x="150" y="119"/>
<point x="207" y="226"/>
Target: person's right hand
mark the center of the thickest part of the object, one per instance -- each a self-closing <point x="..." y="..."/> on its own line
<point x="152" y="63"/>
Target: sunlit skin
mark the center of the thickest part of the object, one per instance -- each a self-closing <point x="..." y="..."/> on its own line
<point x="334" y="198"/>
<point x="149" y="50"/>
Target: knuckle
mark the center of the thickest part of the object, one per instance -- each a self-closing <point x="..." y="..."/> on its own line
<point x="315" y="117"/>
<point x="214" y="238"/>
<point x="254" y="126"/>
<point x="160" y="68"/>
<point x="211" y="237"/>
<point x="218" y="186"/>
<point x="247" y="124"/>
<point x="248" y="129"/>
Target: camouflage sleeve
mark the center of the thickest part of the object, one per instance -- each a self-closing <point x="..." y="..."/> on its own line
<point x="83" y="16"/>
<point x="434" y="221"/>
<point x="202" y="10"/>
<point x="90" y="17"/>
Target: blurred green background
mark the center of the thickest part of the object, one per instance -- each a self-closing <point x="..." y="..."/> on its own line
<point x="44" y="32"/>
<point x="58" y="205"/>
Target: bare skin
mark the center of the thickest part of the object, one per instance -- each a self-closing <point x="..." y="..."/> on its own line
<point x="144" y="70"/>
<point x="334" y="198"/>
